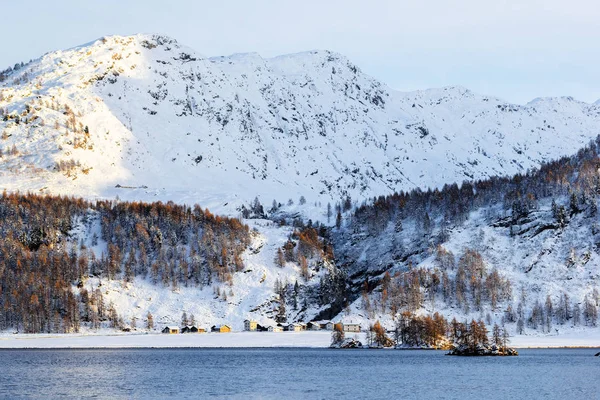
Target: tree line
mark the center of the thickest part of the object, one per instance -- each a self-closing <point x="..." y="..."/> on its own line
<point x="41" y="262"/>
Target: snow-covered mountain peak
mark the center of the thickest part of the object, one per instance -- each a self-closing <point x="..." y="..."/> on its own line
<point x="145" y="112"/>
<point x="563" y="101"/>
<point x="318" y="59"/>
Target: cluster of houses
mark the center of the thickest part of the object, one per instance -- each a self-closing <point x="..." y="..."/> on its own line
<point x="195" y="329"/>
<point x="254" y="326"/>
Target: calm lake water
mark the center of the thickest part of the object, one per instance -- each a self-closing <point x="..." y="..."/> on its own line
<point x="296" y="373"/>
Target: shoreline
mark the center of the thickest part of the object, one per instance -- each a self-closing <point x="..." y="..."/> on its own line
<point x="246" y="340"/>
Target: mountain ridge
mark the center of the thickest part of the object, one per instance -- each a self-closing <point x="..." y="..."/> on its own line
<point x="171" y="122"/>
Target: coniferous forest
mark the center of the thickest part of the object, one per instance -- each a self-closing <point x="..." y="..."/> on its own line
<point x="170" y="244"/>
<point x="399" y="231"/>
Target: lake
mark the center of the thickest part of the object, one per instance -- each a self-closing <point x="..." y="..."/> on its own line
<point x="296" y="373"/>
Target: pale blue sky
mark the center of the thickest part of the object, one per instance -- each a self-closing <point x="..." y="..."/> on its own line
<point x="516" y="50"/>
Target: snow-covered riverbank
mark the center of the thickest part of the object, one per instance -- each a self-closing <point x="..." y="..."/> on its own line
<point x="246" y="339"/>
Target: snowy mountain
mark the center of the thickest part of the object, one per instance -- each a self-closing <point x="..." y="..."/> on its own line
<point x="538" y="259"/>
<point x="144" y="117"/>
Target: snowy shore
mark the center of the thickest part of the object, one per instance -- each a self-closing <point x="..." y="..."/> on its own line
<point x="245" y="339"/>
<point x="209" y="340"/>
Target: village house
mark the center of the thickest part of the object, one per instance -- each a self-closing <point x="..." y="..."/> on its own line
<point x="261" y="328"/>
<point x="221" y="328"/>
<point x="276" y="328"/>
<point x="328" y="326"/>
<point x="313" y="326"/>
<point x="170" y="329"/>
<point x="250" y="326"/>
<point x="351" y="327"/>
<point x="293" y="328"/>
<point x="192" y="329"/>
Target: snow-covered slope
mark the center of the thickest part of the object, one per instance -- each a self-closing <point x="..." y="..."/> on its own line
<point x="250" y="295"/>
<point x="538" y="259"/>
<point x="164" y="122"/>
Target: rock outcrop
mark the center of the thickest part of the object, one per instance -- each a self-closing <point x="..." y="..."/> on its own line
<point x="348" y="343"/>
<point x="483" y="350"/>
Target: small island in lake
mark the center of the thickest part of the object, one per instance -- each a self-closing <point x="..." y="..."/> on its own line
<point x="376" y="338"/>
<point x="347" y="343"/>
<point x="472" y="340"/>
<point x="492" y="350"/>
<point x="431" y="333"/>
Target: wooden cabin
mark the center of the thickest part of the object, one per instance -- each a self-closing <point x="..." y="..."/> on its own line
<point x="192" y="329"/>
<point x="261" y="328"/>
<point x="220" y="328"/>
<point x="170" y="329"/>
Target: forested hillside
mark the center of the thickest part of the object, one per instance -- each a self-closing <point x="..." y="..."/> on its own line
<point x="519" y="251"/>
<point x="522" y="249"/>
<point x="40" y="262"/>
